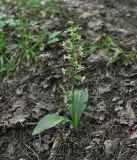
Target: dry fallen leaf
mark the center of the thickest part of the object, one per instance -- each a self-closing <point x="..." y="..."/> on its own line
<point x="101" y="106"/>
<point x="97" y="140"/>
<point x="18" y="118"/>
<point x="110" y="146"/>
<point x="134" y="135"/>
<point x="104" y="88"/>
<point x="127" y="115"/>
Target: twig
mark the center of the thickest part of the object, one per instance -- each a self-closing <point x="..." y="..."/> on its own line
<point x="9" y="126"/>
<point x="32" y="151"/>
<point x="53" y="149"/>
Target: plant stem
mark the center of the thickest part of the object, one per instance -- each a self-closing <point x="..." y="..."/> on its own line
<point x="73" y="107"/>
<point x="73" y="88"/>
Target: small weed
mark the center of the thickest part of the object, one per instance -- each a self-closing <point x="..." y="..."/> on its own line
<point x="107" y="45"/>
<point x="93" y="152"/>
<point x="3" y="57"/>
<point x="24" y="40"/>
<point x="1" y="2"/>
<point x="30" y="51"/>
<point x="53" y="38"/>
<point x="108" y="42"/>
<point x="53" y="7"/>
<point x="94" y="46"/>
<point x="9" y="22"/>
<point x="119" y="54"/>
<point x="26" y="45"/>
<point x="34" y="6"/>
<point x="2" y="22"/>
<point x="113" y="52"/>
<point x="76" y="98"/>
<point x="6" y="62"/>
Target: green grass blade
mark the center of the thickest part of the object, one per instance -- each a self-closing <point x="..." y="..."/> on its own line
<point x="43" y="35"/>
<point x="51" y="41"/>
<point x="54" y="35"/>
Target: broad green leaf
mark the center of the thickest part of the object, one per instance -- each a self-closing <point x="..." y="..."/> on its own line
<point x="2" y="15"/>
<point x="47" y="122"/>
<point x="77" y="105"/>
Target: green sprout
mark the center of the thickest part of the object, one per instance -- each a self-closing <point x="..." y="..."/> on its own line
<point x="6" y="62"/>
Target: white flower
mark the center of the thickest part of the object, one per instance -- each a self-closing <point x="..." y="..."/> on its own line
<point x="63" y="71"/>
<point x="83" y="78"/>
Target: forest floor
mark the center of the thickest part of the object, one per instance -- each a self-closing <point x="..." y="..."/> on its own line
<point x="108" y="128"/>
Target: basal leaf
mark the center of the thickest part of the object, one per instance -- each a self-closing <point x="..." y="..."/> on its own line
<point x="47" y="122"/>
<point x="78" y="105"/>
